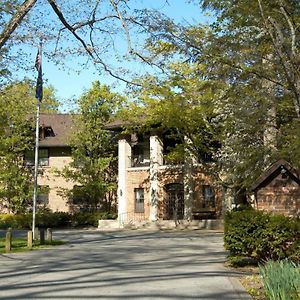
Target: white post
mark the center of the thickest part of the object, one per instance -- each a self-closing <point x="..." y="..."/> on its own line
<point x="36" y="163"/>
<point x="156" y="159"/>
<point x="39" y="96"/>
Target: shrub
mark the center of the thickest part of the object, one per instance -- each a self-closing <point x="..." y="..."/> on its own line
<point x="46" y="218"/>
<point x="281" y="280"/>
<point x="261" y="235"/>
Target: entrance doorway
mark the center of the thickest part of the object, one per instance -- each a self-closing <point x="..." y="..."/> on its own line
<point x="174" y="201"/>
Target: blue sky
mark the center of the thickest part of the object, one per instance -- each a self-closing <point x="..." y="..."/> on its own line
<point x="69" y="83"/>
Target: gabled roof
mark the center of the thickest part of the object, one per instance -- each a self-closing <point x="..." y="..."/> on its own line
<point x="277" y="168"/>
<point x="62" y="126"/>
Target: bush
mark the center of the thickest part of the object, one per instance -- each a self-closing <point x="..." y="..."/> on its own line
<point x="261" y="235"/>
<point x="47" y="219"/>
<point x="281" y="280"/>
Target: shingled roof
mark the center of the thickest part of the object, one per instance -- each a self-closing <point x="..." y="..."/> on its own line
<point x="62" y="126"/>
<point x="278" y="167"/>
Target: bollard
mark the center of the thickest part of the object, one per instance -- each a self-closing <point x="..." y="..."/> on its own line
<point x="29" y="239"/>
<point x="8" y="240"/>
<point x="49" y="235"/>
<point x="42" y="236"/>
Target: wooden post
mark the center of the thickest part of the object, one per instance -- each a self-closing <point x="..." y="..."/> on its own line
<point x="42" y="236"/>
<point x="29" y="239"/>
<point x="49" y="235"/>
<point x="8" y="241"/>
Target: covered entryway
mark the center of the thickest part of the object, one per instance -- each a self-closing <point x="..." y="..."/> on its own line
<point x="174" y="204"/>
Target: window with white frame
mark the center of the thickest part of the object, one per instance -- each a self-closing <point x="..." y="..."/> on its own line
<point x="139" y="200"/>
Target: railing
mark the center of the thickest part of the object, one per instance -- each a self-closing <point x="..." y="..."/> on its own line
<point x="139" y="161"/>
<point x="130" y="218"/>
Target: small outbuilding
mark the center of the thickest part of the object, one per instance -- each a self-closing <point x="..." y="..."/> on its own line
<point x="278" y="190"/>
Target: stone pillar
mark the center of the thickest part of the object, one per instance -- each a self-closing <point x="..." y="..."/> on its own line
<point x="124" y="162"/>
<point x="156" y="160"/>
<point x="188" y="182"/>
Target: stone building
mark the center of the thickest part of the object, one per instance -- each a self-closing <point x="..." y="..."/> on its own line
<point x="54" y="154"/>
<point x="278" y="190"/>
<point x="151" y="189"/>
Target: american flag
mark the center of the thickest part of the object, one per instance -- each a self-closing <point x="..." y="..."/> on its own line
<point x="39" y="82"/>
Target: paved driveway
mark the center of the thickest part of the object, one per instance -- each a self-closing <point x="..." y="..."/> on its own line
<point x="122" y="265"/>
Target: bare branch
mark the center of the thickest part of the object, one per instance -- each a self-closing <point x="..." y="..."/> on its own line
<point x="124" y="25"/>
<point x="96" y="59"/>
<point x="15" y="21"/>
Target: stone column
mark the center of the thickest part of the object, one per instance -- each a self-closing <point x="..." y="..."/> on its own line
<point x="124" y="161"/>
<point x="188" y="182"/>
<point x="156" y="160"/>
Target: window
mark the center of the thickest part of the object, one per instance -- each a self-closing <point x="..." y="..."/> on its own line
<point x="43" y="194"/>
<point x="43" y="157"/>
<point x="208" y="197"/>
<point x="139" y="200"/>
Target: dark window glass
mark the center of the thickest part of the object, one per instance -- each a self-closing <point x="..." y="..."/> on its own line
<point x="43" y="157"/>
<point x="208" y="197"/>
<point x="139" y="200"/>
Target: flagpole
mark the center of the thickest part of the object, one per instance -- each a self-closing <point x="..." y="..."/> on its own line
<point x="39" y="96"/>
<point x="36" y="163"/>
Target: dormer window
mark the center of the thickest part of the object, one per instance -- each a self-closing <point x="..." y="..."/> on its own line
<point x="46" y="132"/>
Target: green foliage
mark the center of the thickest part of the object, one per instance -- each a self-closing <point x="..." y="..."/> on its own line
<point x="93" y="150"/>
<point x="181" y="106"/>
<point x="17" y="103"/>
<point x="261" y="235"/>
<point x="47" y="219"/>
<point x="281" y="280"/>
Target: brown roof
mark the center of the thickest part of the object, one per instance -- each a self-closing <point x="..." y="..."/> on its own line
<point x="278" y="167"/>
<point x="62" y="126"/>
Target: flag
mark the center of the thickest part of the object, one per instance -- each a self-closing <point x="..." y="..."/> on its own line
<point x="39" y="82"/>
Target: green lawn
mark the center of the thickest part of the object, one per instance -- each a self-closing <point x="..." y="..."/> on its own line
<point x="19" y="244"/>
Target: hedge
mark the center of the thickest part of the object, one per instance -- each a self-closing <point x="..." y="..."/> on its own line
<point x="262" y="236"/>
<point x="53" y="219"/>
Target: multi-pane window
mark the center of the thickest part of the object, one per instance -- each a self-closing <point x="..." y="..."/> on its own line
<point x="43" y="157"/>
<point x="208" y="196"/>
<point x="139" y="200"/>
<point x="43" y="195"/>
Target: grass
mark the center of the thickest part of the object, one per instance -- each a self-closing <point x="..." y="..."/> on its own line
<point x="19" y="245"/>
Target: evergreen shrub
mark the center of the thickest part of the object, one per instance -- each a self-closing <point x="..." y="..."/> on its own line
<point x="262" y="235"/>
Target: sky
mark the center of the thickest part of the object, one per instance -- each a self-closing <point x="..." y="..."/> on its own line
<point x="69" y="83"/>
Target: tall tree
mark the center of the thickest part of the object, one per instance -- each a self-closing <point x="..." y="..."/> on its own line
<point x="93" y="150"/>
<point x="252" y="48"/>
<point x="17" y="104"/>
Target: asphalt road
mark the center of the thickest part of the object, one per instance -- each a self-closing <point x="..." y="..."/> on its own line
<point x="122" y="265"/>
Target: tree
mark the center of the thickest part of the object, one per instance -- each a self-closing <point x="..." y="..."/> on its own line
<point x="93" y="168"/>
<point x="17" y="104"/>
<point x="251" y="51"/>
<point x="95" y="31"/>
